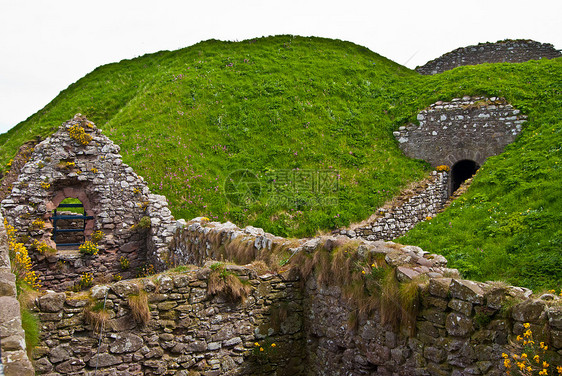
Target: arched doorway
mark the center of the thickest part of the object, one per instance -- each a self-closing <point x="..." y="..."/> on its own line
<point x="70" y="223"/>
<point x="461" y="171"/>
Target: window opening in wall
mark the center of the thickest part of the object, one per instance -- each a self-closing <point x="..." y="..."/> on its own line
<point x="461" y="171"/>
<point x="69" y="223"/>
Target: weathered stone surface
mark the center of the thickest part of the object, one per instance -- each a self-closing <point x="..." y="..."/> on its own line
<point x="52" y="302"/>
<point x="17" y="364"/>
<point x="7" y="284"/>
<point x="458" y="324"/>
<point x="529" y="311"/>
<point x="461" y="306"/>
<point x="554" y="314"/>
<point x="439" y="287"/>
<point x="9" y="313"/>
<point x="126" y="343"/>
<point x="71" y="366"/>
<point x="467" y="290"/>
<point x="103" y="360"/>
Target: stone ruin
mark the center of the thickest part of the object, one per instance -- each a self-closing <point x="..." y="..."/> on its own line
<point x="506" y="51"/>
<point x="461" y="134"/>
<point x="80" y="163"/>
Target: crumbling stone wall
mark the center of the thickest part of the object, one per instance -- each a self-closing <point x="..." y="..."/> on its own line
<point x="78" y="161"/>
<point x="12" y="338"/>
<point x="471" y="128"/>
<point x="393" y="221"/>
<point x="190" y="330"/>
<point x="506" y="51"/>
<point x="462" y="327"/>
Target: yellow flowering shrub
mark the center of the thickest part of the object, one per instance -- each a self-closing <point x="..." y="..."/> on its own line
<point x="38" y="224"/>
<point x="442" y="168"/>
<point x="86" y="280"/>
<point x="532" y="360"/>
<point x="263" y="351"/>
<point x="42" y="248"/>
<point x="45" y="185"/>
<point x="21" y="262"/>
<point x="77" y="133"/>
<point x="97" y="236"/>
<point x="88" y="248"/>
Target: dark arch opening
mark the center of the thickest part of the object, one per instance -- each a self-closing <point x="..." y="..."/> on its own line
<point x="461" y="171"/>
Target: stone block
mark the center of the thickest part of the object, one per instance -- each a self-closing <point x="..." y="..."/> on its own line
<point x="461" y="306"/>
<point x="7" y="284"/>
<point x="458" y="325"/>
<point x="439" y="287"/>
<point x="466" y="290"/>
<point x="530" y="310"/>
<point x="52" y="302"/>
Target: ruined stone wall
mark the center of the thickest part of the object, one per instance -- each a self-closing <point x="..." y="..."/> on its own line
<point x="12" y="338"/>
<point x="78" y="161"/>
<point x="461" y="327"/>
<point x="507" y="51"/>
<point x="190" y="329"/>
<point x="472" y="128"/>
<point x="393" y="221"/>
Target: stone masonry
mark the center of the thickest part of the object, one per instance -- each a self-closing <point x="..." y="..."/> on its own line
<point x="14" y="355"/>
<point x="506" y="51"/>
<point x="461" y="327"/>
<point x="190" y="331"/>
<point x="390" y="222"/>
<point x="78" y="161"/>
<point x="471" y="128"/>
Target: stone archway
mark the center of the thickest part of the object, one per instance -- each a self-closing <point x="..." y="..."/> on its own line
<point x="460" y="171"/>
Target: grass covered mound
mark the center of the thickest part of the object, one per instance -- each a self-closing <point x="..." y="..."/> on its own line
<point x="294" y="135"/>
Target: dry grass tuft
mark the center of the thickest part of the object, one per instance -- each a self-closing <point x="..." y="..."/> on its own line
<point x="409" y="293"/>
<point x="139" y="307"/>
<point x="96" y="315"/>
<point x="390" y="306"/>
<point x="260" y="267"/>
<point x="225" y="283"/>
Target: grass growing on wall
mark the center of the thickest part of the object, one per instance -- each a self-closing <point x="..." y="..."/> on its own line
<point x="282" y="107"/>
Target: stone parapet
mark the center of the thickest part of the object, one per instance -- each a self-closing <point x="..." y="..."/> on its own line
<point x="507" y="51"/>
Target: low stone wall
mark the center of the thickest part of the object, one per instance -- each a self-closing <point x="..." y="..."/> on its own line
<point x="461" y="327"/>
<point x="506" y="51"/>
<point x="190" y="332"/>
<point x="12" y="338"/>
<point x="391" y="222"/>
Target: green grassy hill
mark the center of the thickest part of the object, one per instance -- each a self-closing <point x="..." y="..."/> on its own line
<point x="290" y="110"/>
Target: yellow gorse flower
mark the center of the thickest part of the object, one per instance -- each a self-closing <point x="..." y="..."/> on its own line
<point x="77" y="133"/>
<point x="21" y="262"/>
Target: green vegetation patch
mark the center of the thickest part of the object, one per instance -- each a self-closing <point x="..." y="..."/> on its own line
<point x="294" y="135"/>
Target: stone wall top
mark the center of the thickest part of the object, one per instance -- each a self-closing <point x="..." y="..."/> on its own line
<point x="506" y="51"/>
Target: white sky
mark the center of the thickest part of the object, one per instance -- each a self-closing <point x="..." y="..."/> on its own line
<point x="47" y="45"/>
